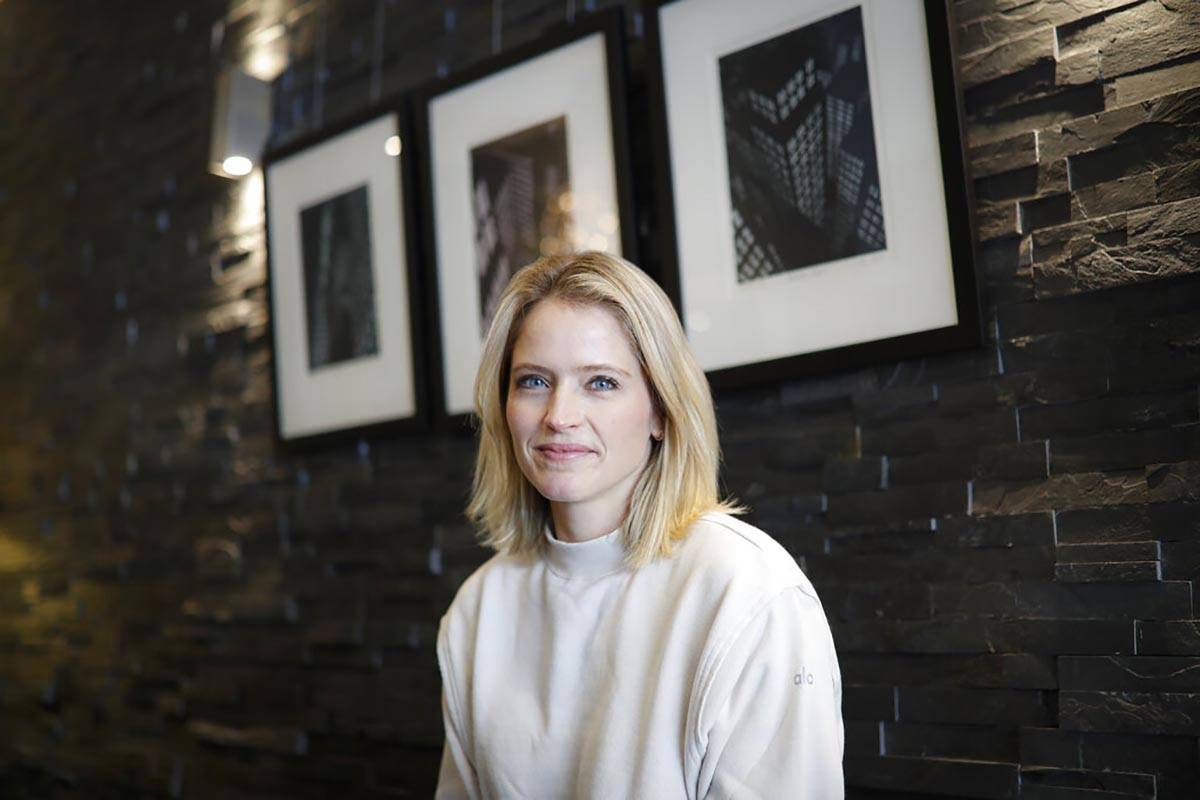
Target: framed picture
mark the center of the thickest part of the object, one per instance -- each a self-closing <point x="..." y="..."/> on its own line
<point x="344" y="296"/>
<point x="523" y="155"/>
<point x="815" y="211"/>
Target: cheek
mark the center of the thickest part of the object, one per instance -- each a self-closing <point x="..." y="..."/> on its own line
<point x="518" y="418"/>
<point x="634" y="426"/>
<point x="510" y="417"/>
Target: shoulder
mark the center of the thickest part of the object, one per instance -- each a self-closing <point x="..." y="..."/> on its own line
<point x="461" y="617"/>
<point x="728" y="550"/>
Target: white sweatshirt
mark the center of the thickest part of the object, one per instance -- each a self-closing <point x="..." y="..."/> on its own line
<point x="711" y="674"/>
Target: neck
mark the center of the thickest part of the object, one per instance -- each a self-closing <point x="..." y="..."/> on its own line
<point x="574" y="524"/>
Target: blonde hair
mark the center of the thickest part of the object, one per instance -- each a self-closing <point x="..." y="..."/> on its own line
<point x="679" y="482"/>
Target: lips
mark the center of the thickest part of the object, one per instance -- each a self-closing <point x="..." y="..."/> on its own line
<point x="562" y="452"/>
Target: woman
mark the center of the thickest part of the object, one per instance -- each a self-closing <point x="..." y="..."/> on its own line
<point x="630" y="638"/>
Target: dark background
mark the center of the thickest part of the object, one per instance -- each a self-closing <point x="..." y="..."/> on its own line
<point x="1007" y="540"/>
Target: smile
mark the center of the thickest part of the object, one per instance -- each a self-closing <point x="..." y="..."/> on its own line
<point x="559" y="453"/>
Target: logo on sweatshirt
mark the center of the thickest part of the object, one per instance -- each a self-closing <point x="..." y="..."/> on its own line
<point x="802" y="677"/>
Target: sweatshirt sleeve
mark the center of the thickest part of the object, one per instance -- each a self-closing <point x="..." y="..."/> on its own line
<point x="456" y="776"/>
<point x="770" y="723"/>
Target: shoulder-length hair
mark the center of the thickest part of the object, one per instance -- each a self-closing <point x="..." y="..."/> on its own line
<point x="679" y="482"/>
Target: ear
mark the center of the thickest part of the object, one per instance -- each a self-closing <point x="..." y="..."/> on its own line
<point x="656" y="426"/>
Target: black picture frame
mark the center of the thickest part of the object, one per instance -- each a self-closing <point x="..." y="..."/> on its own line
<point x="960" y="245"/>
<point x="297" y="177"/>
<point x="449" y="372"/>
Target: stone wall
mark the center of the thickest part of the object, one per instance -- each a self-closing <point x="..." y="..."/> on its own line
<point x="1007" y="540"/>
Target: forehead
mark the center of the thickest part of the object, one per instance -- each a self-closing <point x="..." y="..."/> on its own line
<point x="568" y="332"/>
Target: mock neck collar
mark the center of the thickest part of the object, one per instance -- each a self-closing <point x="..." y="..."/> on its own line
<point x="591" y="559"/>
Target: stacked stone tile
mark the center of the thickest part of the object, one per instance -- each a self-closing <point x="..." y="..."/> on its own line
<point x="1007" y="540"/>
<point x="1010" y="543"/>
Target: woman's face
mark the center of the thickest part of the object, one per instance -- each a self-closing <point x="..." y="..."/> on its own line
<point x="579" y="411"/>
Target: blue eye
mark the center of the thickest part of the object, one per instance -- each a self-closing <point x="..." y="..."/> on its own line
<point x="527" y="381"/>
<point x="603" y="383"/>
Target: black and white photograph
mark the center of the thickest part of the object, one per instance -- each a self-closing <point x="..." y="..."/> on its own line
<point x="811" y="165"/>
<point x="342" y="278"/>
<point x="339" y="291"/>
<point x="524" y="154"/>
<point x="522" y="203"/>
<point x="803" y="168"/>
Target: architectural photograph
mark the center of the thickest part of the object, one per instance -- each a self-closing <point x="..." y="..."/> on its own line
<point x="803" y="166"/>
<point x="339" y="291"/>
<point x="521" y="194"/>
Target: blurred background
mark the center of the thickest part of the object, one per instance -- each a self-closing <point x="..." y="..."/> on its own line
<point x="1006" y="539"/>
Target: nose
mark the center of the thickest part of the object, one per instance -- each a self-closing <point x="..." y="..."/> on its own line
<point x="563" y="411"/>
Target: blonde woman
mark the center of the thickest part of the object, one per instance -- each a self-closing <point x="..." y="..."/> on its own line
<point x="630" y="638"/>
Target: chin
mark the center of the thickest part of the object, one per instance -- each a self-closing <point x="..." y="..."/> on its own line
<point x="559" y="491"/>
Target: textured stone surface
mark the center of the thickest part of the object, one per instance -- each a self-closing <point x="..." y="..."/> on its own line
<point x="1171" y="759"/>
<point x="1156" y="483"/>
<point x="1126" y="449"/>
<point x="1179" y="637"/>
<point x="1171" y="522"/>
<point x="1004" y="532"/>
<point x="1143" y="673"/>
<point x="1166" y="713"/>
<point x="868" y="702"/>
<point x="1120" y="249"/>
<point x="272" y="740"/>
<point x="935" y="776"/>
<point x="1149" y="34"/>
<point x="1109" y="197"/>
<point x="1012" y="56"/>
<point x="1005" y="671"/>
<point x="1004" y="155"/>
<point x="1041" y="783"/>
<point x="1096" y="134"/>
<point x="914" y="437"/>
<point x="1039" y="636"/>
<point x="848" y="475"/>
<point x="862" y="738"/>
<point x="1019" y="599"/>
<point x="986" y="23"/>
<point x="1019" y="461"/>
<point x="1108" y="572"/>
<point x="975" y="742"/>
<point x="976" y="706"/>
<point x="1129" y="89"/>
<point x="1107" y="552"/>
<point x="995" y="221"/>
<point x="930" y="500"/>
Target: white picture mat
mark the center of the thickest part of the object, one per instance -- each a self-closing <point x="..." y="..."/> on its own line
<point x="904" y="288"/>
<point x="570" y="81"/>
<point x="368" y="389"/>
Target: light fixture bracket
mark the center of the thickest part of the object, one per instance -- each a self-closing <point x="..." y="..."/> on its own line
<point x="241" y="122"/>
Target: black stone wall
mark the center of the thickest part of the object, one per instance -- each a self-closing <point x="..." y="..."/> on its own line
<point x="1007" y="540"/>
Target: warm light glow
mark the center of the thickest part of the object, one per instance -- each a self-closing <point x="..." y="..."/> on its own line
<point x="238" y="165"/>
<point x="608" y="223"/>
<point x="392" y="146"/>
<point x="267" y="53"/>
<point x="17" y="555"/>
<point x="248" y="205"/>
<point x="264" y="64"/>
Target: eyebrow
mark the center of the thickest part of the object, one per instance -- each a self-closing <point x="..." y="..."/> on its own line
<point x="583" y="368"/>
